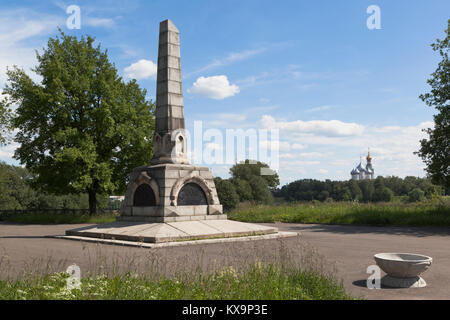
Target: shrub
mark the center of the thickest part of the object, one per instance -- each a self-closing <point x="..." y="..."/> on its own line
<point x="416" y="195"/>
<point x="243" y="189"/>
<point x="226" y="193"/>
<point x="260" y="190"/>
<point x="383" y="194"/>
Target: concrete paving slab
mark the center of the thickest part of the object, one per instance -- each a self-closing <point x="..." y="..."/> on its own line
<point x="277" y="235"/>
<point x="170" y="231"/>
<point x="229" y="227"/>
<point x="196" y="228"/>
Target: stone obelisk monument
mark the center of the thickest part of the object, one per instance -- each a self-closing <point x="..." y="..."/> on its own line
<point x="170" y="199"/>
<point x="170" y="189"/>
<point x="169" y="141"/>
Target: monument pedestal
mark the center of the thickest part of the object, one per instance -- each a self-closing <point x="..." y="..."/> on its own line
<point x="171" y="193"/>
<point x="170" y="231"/>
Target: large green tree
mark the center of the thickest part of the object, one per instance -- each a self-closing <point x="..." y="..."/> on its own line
<point x="82" y="128"/>
<point x="435" y="150"/>
<point x="5" y="120"/>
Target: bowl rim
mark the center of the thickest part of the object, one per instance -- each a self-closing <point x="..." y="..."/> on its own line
<point x="425" y="258"/>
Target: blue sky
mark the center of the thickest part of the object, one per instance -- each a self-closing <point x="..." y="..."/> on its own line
<point x="311" y="69"/>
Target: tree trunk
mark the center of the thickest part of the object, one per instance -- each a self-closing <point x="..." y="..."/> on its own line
<point x="92" y="202"/>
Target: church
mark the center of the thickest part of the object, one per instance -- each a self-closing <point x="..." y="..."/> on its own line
<point x="361" y="173"/>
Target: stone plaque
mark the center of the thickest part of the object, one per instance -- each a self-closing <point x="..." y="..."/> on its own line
<point x="191" y="195"/>
<point x="144" y="196"/>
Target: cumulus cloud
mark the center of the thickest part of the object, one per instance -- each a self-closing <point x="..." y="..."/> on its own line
<point x="298" y="146"/>
<point x="316" y="127"/>
<point x="7" y="152"/>
<point x="142" y="69"/>
<point x="275" y="145"/>
<point x="229" y="59"/>
<point x="213" y="146"/>
<point x="215" y="87"/>
<point x="311" y="155"/>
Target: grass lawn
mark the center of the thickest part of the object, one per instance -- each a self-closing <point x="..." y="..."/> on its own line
<point x="59" y="218"/>
<point x="258" y="282"/>
<point x="420" y="214"/>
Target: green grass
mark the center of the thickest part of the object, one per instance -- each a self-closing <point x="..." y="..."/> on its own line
<point x="421" y="214"/>
<point x="260" y="281"/>
<point x="61" y="218"/>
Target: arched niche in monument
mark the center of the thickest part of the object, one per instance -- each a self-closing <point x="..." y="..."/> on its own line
<point x="180" y="145"/>
<point x="191" y="194"/>
<point x="144" y="196"/>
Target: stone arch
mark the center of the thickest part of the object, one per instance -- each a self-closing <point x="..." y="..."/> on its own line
<point x="191" y="194"/>
<point x="180" y="143"/>
<point x="142" y="178"/>
<point x="191" y="178"/>
<point x="144" y="196"/>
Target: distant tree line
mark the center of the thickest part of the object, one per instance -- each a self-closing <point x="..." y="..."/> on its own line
<point x="381" y="189"/>
<point x="17" y="193"/>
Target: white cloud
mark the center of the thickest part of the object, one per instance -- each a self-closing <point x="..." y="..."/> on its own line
<point x="311" y="155"/>
<point x="288" y="156"/>
<point x="274" y="145"/>
<point x="301" y="163"/>
<point x="17" y="28"/>
<point x="142" y="69"/>
<point x="298" y="146"/>
<point x="213" y="146"/>
<point x="317" y="109"/>
<point x="229" y="59"/>
<point x="215" y="87"/>
<point x="323" y="171"/>
<point x="98" y="22"/>
<point x="329" y="128"/>
<point x="231" y="116"/>
<point x="7" y="152"/>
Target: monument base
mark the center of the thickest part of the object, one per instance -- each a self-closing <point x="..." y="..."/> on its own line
<point x="171" y="231"/>
<point x="395" y="282"/>
<point x="170" y="193"/>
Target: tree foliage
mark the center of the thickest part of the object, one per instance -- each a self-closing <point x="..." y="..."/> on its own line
<point x="252" y="183"/>
<point x="260" y="190"/>
<point x="16" y="193"/>
<point x="415" y="195"/>
<point x="226" y="193"/>
<point x="5" y="120"/>
<point x="82" y="128"/>
<point x="246" y="184"/>
<point x="251" y="168"/>
<point x="435" y="150"/>
<point x="243" y="189"/>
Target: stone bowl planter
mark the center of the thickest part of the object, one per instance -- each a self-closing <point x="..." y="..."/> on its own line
<point x="403" y="269"/>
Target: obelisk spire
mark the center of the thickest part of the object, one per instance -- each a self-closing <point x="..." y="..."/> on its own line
<point x="169" y="141"/>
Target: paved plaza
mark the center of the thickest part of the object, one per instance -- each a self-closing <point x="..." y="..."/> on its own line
<point x="30" y="248"/>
